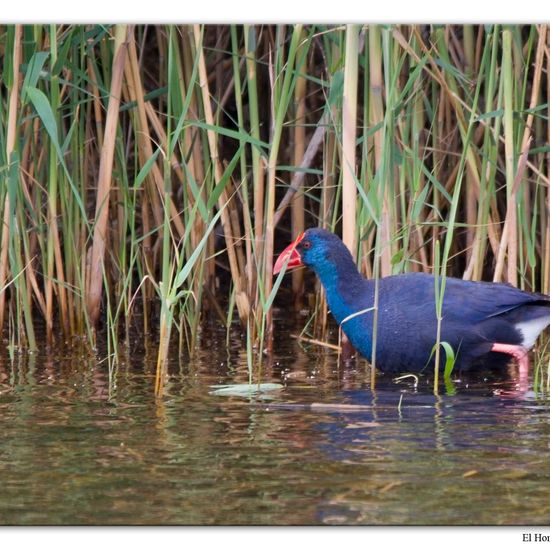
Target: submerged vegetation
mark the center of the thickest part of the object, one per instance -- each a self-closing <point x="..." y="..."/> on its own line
<point x="149" y="173"/>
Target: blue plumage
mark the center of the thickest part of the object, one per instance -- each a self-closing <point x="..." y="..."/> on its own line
<point x="476" y="316"/>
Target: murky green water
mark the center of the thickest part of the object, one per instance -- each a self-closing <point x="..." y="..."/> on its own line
<point x="78" y="448"/>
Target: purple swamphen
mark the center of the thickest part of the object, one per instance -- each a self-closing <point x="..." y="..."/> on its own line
<point x="484" y="323"/>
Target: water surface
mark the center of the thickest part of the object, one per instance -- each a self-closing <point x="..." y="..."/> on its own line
<point x="82" y="445"/>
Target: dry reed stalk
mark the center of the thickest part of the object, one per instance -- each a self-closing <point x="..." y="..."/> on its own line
<point x="33" y="284"/>
<point x="96" y="103"/>
<point x="54" y="254"/>
<point x="27" y="167"/>
<point x="193" y="151"/>
<point x="164" y="343"/>
<point x="243" y="304"/>
<point x="316" y="342"/>
<point x="243" y="189"/>
<point x="528" y="129"/>
<point x="511" y="218"/>
<point x="27" y="257"/>
<point x="146" y="254"/>
<point x="10" y="146"/>
<point x="60" y="276"/>
<point x="298" y="202"/>
<point x="269" y="213"/>
<point x="423" y="262"/>
<point x="508" y="242"/>
<point x="418" y="125"/>
<point x="328" y="199"/>
<point x="510" y="225"/>
<point x="132" y="91"/>
<point x="349" y="133"/>
<point x="229" y="191"/>
<point x="367" y="247"/>
<point x="117" y="232"/>
<point x="95" y="275"/>
<point x="329" y="174"/>
<point x="546" y="250"/>
<point x="280" y="92"/>
<point x="348" y="151"/>
<point x="376" y="116"/>
<point x="196" y="171"/>
<point x="162" y="44"/>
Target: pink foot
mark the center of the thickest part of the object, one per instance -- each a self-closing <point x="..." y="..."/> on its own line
<point x="521" y="355"/>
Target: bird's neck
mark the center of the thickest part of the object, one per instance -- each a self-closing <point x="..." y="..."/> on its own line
<point x="347" y="290"/>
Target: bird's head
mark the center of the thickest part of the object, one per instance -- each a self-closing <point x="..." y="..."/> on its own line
<point x="315" y="248"/>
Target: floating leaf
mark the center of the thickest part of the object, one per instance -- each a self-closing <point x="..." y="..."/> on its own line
<point x="244" y="389"/>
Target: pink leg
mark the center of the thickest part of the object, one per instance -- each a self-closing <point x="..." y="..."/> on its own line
<point x="520" y="354"/>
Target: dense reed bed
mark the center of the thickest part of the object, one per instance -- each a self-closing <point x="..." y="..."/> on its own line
<point x="156" y="169"/>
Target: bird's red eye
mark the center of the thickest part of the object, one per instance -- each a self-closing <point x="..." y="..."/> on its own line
<point x="306" y="244"/>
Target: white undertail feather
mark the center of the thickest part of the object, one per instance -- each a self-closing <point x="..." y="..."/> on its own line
<point x="530" y="330"/>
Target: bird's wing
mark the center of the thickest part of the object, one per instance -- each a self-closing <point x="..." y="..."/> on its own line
<point x="476" y="301"/>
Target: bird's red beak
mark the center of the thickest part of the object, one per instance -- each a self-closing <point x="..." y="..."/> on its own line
<point x="289" y="254"/>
